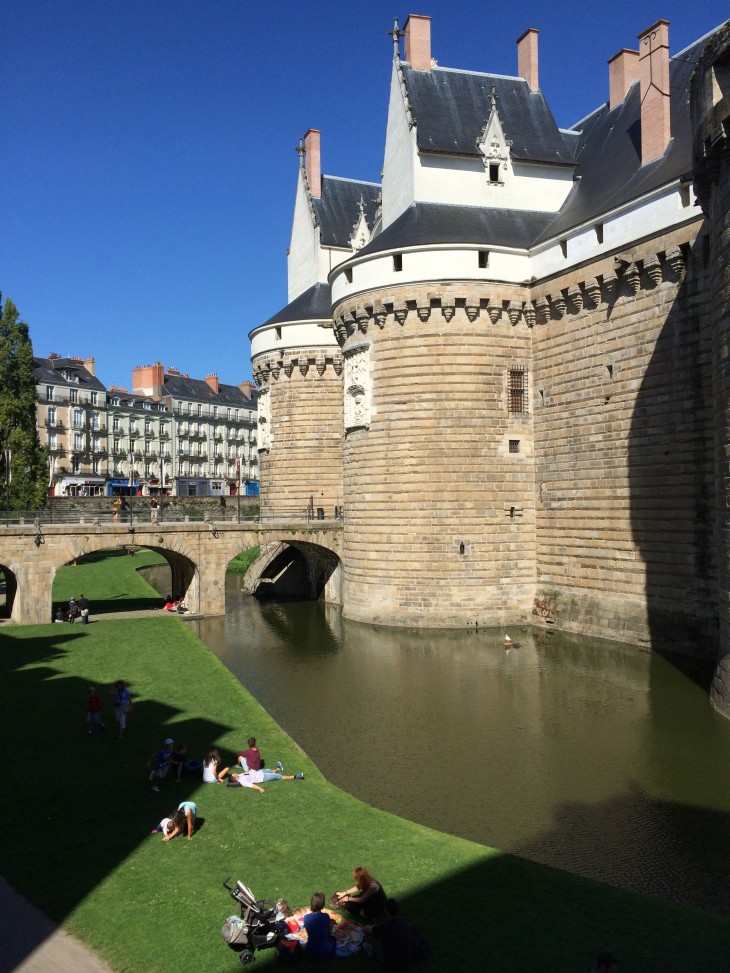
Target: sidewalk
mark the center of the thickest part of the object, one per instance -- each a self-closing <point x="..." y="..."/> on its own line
<point x="31" y="943"/>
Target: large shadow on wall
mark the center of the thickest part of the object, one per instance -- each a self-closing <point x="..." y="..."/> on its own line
<point x="671" y="470"/>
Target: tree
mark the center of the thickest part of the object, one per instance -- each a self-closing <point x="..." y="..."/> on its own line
<point x="23" y="463"/>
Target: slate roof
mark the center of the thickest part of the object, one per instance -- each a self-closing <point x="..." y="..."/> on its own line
<point x="424" y="223"/>
<point x="198" y="390"/>
<point x="337" y="210"/>
<point x="450" y="108"/>
<point x="609" y="150"/>
<point x="49" y="371"/>
<point x="314" y="304"/>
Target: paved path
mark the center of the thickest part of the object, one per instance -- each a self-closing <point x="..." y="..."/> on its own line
<point x="31" y="943"/>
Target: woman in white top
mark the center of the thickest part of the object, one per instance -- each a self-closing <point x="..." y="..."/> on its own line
<point x="211" y="774"/>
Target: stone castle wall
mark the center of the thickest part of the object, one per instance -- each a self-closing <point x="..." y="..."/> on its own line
<point x="710" y="108"/>
<point x="300" y="454"/>
<point x="440" y="515"/>
<point x="623" y="449"/>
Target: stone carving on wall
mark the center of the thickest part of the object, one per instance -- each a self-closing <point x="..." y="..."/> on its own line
<point x="360" y="229"/>
<point x="264" y="419"/>
<point x="357" y="388"/>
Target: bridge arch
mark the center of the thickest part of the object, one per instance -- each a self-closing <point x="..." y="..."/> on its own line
<point x="8" y="588"/>
<point x="296" y="569"/>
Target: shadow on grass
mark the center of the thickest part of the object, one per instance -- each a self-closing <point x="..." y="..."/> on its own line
<point x="84" y="806"/>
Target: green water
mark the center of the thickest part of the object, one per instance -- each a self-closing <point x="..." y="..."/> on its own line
<point x="587" y="755"/>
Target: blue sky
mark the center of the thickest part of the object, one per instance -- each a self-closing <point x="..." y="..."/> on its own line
<point x="148" y="148"/>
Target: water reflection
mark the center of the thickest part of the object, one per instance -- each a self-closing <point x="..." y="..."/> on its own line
<point x="583" y="754"/>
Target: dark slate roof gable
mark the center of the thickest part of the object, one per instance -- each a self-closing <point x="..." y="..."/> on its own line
<point x="445" y="223"/>
<point x="49" y="371"/>
<point x="337" y="210"/>
<point x="314" y="304"/>
<point x="198" y="390"/>
<point x="609" y="151"/>
<point x="451" y="107"/>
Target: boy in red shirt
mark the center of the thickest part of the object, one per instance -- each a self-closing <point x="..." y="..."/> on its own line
<point x="93" y="713"/>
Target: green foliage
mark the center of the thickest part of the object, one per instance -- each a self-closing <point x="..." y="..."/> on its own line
<point x="27" y="468"/>
<point x="242" y="562"/>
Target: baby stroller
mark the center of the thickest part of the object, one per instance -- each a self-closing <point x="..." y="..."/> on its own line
<point x="257" y="926"/>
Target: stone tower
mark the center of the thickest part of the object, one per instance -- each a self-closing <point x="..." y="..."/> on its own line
<point x="710" y="106"/>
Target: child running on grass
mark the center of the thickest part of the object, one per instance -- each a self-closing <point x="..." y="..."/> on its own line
<point x="93" y="710"/>
<point x="162" y="763"/>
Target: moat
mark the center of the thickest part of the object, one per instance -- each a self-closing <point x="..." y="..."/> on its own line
<point x="590" y="756"/>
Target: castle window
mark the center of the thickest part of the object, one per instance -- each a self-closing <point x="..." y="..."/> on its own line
<point x="278" y="334"/>
<point x="599" y="233"/>
<point x="483" y="259"/>
<point x="684" y="195"/>
<point x="514" y="445"/>
<point x="348" y="275"/>
<point x="517" y="391"/>
<point x="564" y="247"/>
<point x="397" y="262"/>
<point x="494" y="172"/>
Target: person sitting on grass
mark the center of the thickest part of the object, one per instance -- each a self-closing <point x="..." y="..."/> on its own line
<point x="182" y="819"/>
<point x="251" y="758"/>
<point x="320" y="943"/>
<point x="254" y="778"/>
<point x="366" y="897"/>
<point x="162" y="763"/>
<point x="211" y="774"/>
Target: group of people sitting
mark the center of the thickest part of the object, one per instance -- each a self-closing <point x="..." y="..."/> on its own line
<point x="248" y="772"/>
<point x="175" y="605"/>
<point x="321" y="935"/>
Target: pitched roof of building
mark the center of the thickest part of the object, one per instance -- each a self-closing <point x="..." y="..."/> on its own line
<point x="435" y="223"/>
<point x="198" y="390"/>
<point x="49" y="371"/>
<point x="337" y="210"/>
<point x="314" y="304"/>
<point x="451" y="107"/>
<point x="609" y="150"/>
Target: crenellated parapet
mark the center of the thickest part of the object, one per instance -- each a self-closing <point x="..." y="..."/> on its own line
<point x="268" y="369"/>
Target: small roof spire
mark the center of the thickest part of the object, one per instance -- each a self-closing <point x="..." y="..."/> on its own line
<point x="301" y="152"/>
<point x="396" y="33"/>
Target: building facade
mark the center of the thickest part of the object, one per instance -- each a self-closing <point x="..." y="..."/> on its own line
<point x="171" y="435"/>
<point x="523" y="319"/>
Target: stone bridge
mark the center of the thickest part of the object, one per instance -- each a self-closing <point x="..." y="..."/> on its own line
<point x="198" y="555"/>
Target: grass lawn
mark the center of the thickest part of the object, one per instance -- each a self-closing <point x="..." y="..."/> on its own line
<point x="109" y="579"/>
<point x="78" y="812"/>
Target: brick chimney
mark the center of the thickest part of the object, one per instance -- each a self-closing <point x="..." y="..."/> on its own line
<point x="248" y="389"/>
<point x="173" y="371"/>
<point x="212" y="381"/>
<point x="90" y="365"/>
<point x="527" y="58"/>
<point x="148" y="378"/>
<point x="654" y="78"/>
<point x="418" y="42"/>
<point x="312" y="161"/>
<point x="623" y="70"/>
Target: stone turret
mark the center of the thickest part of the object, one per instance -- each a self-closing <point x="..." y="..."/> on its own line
<point x="710" y="106"/>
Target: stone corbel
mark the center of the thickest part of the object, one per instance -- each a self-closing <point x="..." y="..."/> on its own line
<point x="514" y="312"/>
<point x="632" y="276"/>
<point x="610" y="282"/>
<point x="528" y="313"/>
<point x="363" y="319"/>
<point x="423" y="310"/>
<point x="558" y="304"/>
<point x="400" y="312"/>
<point x="448" y="308"/>
<point x="380" y="315"/>
<point x="471" y="307"/>
<point x="675" y="259"/>
<point x="593" y="291"/>
<point x="575" y="296"/>
<point x="337" y="366"/>
<point x="303" y="366"/>
<point x="276" y="369"/>
<point x="542" y="308"/>
<point x="320" y="364"/>
<point x="289" y="367"/>
<point x="653" y="269"/>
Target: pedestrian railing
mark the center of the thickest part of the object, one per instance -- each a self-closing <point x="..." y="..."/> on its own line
<point x="141" y="517"/>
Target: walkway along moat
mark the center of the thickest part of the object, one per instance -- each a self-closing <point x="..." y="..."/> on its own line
<point x="590" y="756"/>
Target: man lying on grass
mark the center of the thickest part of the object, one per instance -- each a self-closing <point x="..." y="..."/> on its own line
<point x="254" y="778"/>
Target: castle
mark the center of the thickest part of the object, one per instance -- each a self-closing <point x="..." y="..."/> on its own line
<point x="507" y="363"/>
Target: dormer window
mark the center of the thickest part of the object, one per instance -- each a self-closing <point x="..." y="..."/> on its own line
<point x="494" y="172"/>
